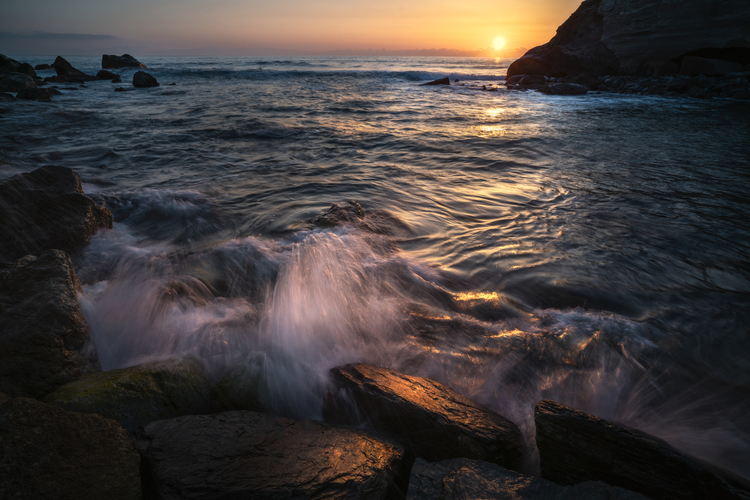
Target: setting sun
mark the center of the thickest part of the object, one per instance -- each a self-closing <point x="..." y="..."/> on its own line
<point x="499" y="43"/>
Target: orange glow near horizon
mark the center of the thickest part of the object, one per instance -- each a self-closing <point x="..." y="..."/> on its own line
<point x="492" y="26"/>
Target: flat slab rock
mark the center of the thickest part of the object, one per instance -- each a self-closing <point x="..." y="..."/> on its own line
<point x="47" y="209"/>
<point x="244" y="454"/>
<point x="426" y="417"/>
<point x="465" y="479"/>
<point x="47" y="452"/>
<point x="44" y="338"/>
<point x="575" y="447"/>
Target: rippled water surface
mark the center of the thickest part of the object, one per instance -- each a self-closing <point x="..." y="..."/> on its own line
<point x="594" y="250"/>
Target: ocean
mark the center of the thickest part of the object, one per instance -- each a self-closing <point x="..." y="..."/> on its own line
<point x="594" y="250"/>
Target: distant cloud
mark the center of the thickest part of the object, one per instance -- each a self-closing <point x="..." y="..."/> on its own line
<point x="44" y="35"/>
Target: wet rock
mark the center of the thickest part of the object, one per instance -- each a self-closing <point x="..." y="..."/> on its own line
<point x="47" y="452"/>
<point x="694" y="66"/>
<point x="138" y="395"/>
<point x="8" y="64"/>
<point x="426" y="417"/>
<point x="27" y="69"/>
<point x="106" y="75"/>
<point x="44" y="338"/>
<point x="35" y="94"/>
<point x="441" y="81"/>
<point x="532" y="79"/>
<point x="243" y="454"/>
<point x="239" y="388"/>
<point x="464" y="479"/>
<point x="16" y="82"/>
<point x="5" y="97"/>
<point x="143" y="79"/>
<point x="564" y="89"/>
<point x="576" y="447"/>
<point x="347" y="211"/>
<point x="40" y="67"/>
<point x="47" y="209"/>
<point x="123" y="61"/>
<point x="67" y="73"/>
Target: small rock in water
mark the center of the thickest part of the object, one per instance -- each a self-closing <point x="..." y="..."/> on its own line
<point x="441" y="81"/>
<point x="40" y="67"/>
<point x="106" y="75"/>
<point x="575" y="447"/>
<point x="48" y="452"/>
<point x="67" y="73"/>
<point x="143" y="79"/>
<point x="244" y="454"/>
<point x="123" y="61"/>
<point x="339" y="213"/>
<point x="465" y="479"/>
<point x="426" y="417"/>
<point x="4" y="96"/>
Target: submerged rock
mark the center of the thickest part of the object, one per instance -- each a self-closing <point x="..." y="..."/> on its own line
<point x="44" y="338"/>
<point x="123" y="61"/>
<point x="339" y="213"/>
<point x="47" y="452"/>
<point x="47" y="209"/>
<point x="576" y="447"/>
<point x="143" y="79"/>
<point x="464" y="479"/>
<point x="243" y="454"/>
<point x="67" y="73"/>
<point x="138" y="395"/>
<point x="441" y="81"/>
<point x="426" y="417"/>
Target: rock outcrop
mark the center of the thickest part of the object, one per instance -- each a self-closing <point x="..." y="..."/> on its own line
<point x="47" y="209"/>
<point x="641" y="37"/>
<point x="107" y="75"/>
<point x="464" y="479"/>
<point x="123" y="61"/>
<point x="47" y="452"/>
<point x="426" y="417"/>
<point x="244" y="454"/>
<point x="441" y="81"/>
<point x="138" y="395"/>
<point x="143" y="79"/>
<point x="576" y="447"/>
<point x="44" y="338"/>
<point x="67" y="73"/>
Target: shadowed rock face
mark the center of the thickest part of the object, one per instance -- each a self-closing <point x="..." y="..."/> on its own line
<point x="47" y="209"/>
<point x="243" y="454"/>
<point x="464" y="479"/>
<point x="67" y="73"/>
<point x="123" y="61"/>
<point x="47" y="452"/>
<point x="428" y="418"/>
<point x="44" y="338"/>
<point x="143" y="79"/>
<point x="637" y="37"/>
<point x="576" y="447"/>
<point x="138" y="395"/>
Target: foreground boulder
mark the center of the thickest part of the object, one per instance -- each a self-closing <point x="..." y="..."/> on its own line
<point x="123" y="61"/>
<point x="67" y="73"/>
<point x="138" y="395"/>
<point x="47" y="209"/>
<point x="44" y="338"/>
<point x="243" y="454"/>
<point x="143" y="79"/>
<point x="239" y="388"/>
<point x="640" y="37"/>
<point x="8" y="64"/>
<point x="576" y="447"/>
<point x="47" y="452"/>
<point x="464" y="479"/>
<point x="428" y="418"/>
<point x="16" y="82"/>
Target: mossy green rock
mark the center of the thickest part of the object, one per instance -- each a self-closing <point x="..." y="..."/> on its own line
<point x="138" y="395"/>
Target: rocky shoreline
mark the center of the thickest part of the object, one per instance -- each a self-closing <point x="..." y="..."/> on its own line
<point x="170" y="429"/>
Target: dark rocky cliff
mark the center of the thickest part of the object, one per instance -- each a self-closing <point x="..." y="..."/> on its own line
<point x="642" y="37"/>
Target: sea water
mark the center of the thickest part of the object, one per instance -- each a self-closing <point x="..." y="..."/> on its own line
<point x="594" y="250"/>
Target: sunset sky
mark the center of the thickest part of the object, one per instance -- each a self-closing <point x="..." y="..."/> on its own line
<point x="237" y="27"/>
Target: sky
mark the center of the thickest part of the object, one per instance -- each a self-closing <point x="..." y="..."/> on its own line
<point x="294" y="27"/>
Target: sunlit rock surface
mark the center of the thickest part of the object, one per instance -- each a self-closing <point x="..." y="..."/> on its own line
<point x="44" y="338"/>
<point x="576" y="447"/>
<point x="637" y="37"/>
<point x="465" y="479"/>
<point x="47" y="452"/>
<point x="47" y="209"/>
<point x="427" y="417"/>
<point x="244" y="454"/>
<point x="138" y="395"/>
